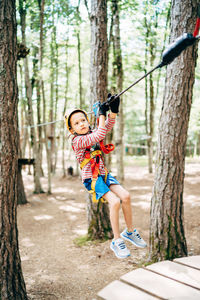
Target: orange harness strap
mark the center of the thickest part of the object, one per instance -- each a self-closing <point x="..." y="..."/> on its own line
<point x="106" y="148"/>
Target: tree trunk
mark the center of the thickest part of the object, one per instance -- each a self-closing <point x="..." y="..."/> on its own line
<point x="56" y="99"/>
<point x="38" y="188"/>
<point x="146" y="79"/>
<point x="150" y="49"/>
<point x="36" y="84"/>
<point x="64" y="108"/>
<point x="21" y="196"/>
<point x="79" y="58"/>
<point x="42" y="92"/>
<point x="99" y="223"/>
<point x="23" y="118"/>
<point x="118" y="86"/>
<point x="99" y="51"/>
<point x="151" y="120"/>
<point x="167" y="235"/>
<point x="198" y="144"/>
<point x="12" y="285"/>
<point x="99" y="228"/>
<point x="51" y="134"/>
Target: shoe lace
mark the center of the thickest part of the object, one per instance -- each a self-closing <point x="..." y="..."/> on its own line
<point x="121" y="245"/>
<point x="138" y="236"/>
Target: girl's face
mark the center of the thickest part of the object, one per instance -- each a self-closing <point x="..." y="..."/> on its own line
<point x="79" y="123"/>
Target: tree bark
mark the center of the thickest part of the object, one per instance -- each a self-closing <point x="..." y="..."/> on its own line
<point x="99" y="51"/>
<point x="98" y="223"/>
<point x="12" y="285"/>
<point x="99" y="227"/>
<point x="167" y="235"/>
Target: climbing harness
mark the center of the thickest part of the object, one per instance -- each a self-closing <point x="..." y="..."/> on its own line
<point x="94" y="157"/>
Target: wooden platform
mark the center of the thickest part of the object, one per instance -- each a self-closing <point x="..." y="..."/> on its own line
<point x="177" y="280"/>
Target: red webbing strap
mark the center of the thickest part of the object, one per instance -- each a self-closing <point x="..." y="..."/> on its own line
<point x="106" y="148"/>
<point x="197" y="26"/>
<point x="95" y="166"/>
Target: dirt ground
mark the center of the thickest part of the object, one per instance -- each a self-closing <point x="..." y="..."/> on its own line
<point x="54" y="267"/>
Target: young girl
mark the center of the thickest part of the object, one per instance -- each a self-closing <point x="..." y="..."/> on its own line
<point x="85" y="144"/>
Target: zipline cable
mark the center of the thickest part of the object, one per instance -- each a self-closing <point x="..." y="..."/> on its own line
<point x="172" y="51"/>
<point x="145" y="75"/>
<point x="47" y="123"/>
<point x="42" y="124"/>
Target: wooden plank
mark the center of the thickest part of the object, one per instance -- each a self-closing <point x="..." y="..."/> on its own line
<point x="185" y="298"/>
<point x="118" y="290"/>
<point x="191" y="261"/>
<point x="177" y="272"/>
<point x="159" y="285"/>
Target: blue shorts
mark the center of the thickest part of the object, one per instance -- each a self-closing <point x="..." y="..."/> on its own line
<point x="101" y="186"/>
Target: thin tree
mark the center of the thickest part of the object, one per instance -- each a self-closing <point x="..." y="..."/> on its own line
<point x="56" y="62"/>
<point x="35" y="84"/>
<point x="41" y="4"/>
<point x="12" y="285"/>
<point x="67" y="70"/>
<point x="167" y="234"/>
<point x="78" y="19"/>
<point x="150" y="26"/>
<point x="38" y="187"/>
<point x="21" y="195"/>
<point x="51" y="136"/>
<point x="117" y="85"/>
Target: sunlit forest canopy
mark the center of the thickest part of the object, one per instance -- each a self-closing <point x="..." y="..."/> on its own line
<point x="144" y="34"/>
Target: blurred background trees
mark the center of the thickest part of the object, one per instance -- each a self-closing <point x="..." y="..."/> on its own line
<point x="56" y="76"/>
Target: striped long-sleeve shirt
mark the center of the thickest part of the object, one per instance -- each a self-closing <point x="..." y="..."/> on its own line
<point x="81" y="142"/>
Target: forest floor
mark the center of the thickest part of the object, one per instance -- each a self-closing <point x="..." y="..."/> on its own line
<point x="55" y="267"/>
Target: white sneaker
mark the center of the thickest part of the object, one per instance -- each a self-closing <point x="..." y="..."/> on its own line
<point x="134" y="237"/>
<point x="119" y="248"/>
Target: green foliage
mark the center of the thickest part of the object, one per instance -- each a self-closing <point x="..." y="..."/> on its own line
<point x="86" y="240"/>
<point x="82" y="241"/>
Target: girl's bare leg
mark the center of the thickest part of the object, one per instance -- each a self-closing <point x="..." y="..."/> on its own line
<point x="114" y="204"/>
<point x="126" y="204"/>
